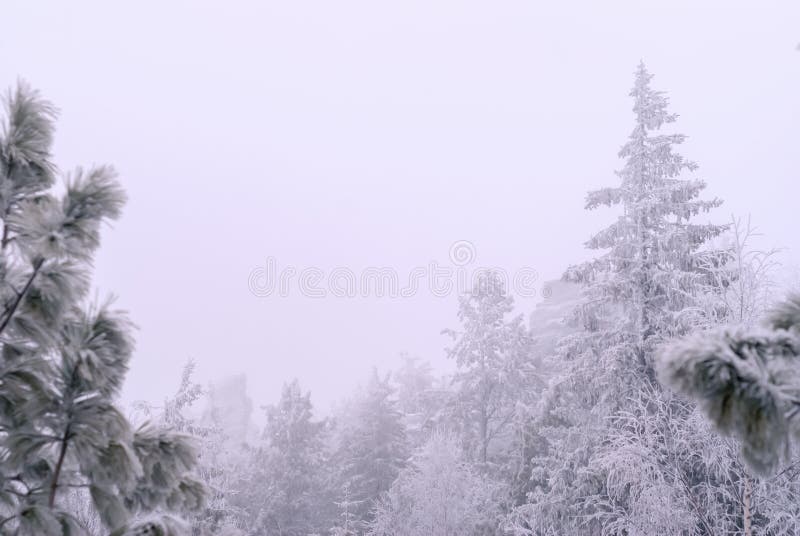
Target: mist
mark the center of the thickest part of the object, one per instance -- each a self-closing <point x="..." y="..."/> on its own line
<point x="315" y="190"/>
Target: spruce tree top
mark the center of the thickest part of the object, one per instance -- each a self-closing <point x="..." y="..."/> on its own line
<point x="654" y="264"/>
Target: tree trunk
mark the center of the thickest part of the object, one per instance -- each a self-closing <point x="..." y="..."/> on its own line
<point x="747" y="514"/>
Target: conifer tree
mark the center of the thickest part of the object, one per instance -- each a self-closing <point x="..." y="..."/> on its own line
<point x="372" y="448"/>
<point x="414" y="381"/>
<point x="63" y="360"/>
<point x="648" y="285"/>
<point x="347" y="524"/>
<point x="422" y="398"/>
<point x="287" y="493"/>
<point x="492" y="352"/>
<point x="652" y="265"/>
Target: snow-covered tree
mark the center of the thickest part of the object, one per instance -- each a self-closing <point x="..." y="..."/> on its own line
<point x="727" y="498"/>
<point x="422" y="398"/>
<point x="653" y="265"/>
<point x="286" y="493"/>
<point x="372" y="447"/>
<point x="492" y="352"/>
<point x="439" y="493"/>
<point x="347" y="523"/>
<point x="63" y="360"/>
<point x="548" y="324"/>
<point x="414" y="381"/>
<point x="666" y="473"/>
<point x="218" y="468"/>
<point x="650" y="284"/>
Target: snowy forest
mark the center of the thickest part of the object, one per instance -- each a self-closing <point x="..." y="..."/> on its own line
<point x="653" y="389"/>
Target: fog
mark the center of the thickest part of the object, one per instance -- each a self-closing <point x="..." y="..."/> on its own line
<point x="359" y="134"/>
<point x="418" y="268"/>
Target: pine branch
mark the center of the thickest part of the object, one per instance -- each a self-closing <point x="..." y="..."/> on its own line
<point x="62" y="452"/>
<point x="59" y="464"/>
<point x="9" y="313"/>
<point x="5" y="239"/>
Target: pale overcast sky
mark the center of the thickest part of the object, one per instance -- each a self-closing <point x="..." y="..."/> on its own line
<point x="358" y="133"/>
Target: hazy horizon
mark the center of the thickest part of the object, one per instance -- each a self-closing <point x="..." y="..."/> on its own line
<point x="358" y="134"/>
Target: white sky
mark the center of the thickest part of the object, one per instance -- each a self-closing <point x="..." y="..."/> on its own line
<point x="370" y="133"/>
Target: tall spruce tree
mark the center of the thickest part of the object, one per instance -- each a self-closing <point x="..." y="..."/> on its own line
<point x="654" y="266"/>
<point x="647" y="286"/>
<point x="63" y="361"/>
